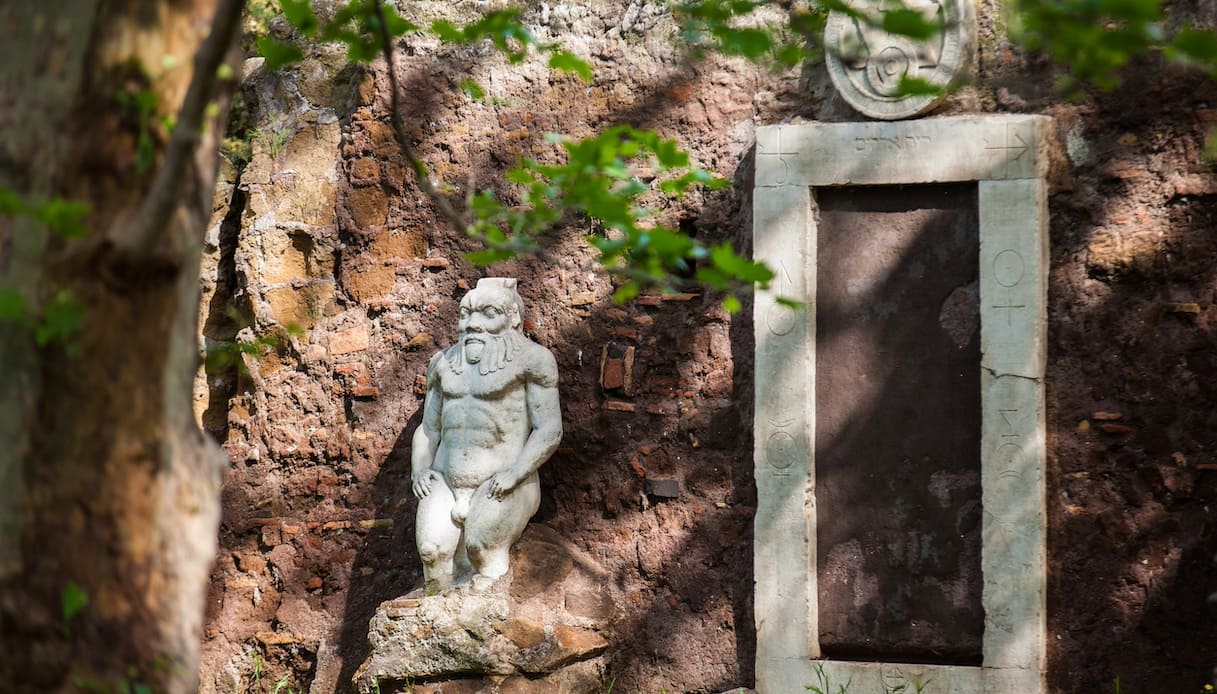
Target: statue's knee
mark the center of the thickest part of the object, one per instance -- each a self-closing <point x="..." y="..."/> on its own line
<point x="480" y="547"/>
<point x="429" y="552"/>
<point x="474" y="546"/>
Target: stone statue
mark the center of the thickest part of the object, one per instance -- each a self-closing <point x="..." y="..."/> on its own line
<point x="490" y="419"/>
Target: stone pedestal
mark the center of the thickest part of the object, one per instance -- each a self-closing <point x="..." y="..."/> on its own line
<point x="541" y="628"/>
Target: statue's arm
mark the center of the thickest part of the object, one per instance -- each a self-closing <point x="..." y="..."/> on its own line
<point x="427" y="435"/>
<point x="545" y="419"/>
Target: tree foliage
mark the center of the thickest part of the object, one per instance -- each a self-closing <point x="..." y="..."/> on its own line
<point x="600" y="182"/>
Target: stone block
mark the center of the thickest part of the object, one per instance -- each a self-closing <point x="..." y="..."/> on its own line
<point x="369" y="207"/>
<point x="523" y="632"/>
<point x="663" y="488"/>
<point x="369" y="281"/>
<point x="525" y="685"/>
<point x="938" y="150"/>
<point x="593" y="603"/>
<point x="276" y="638"/>
<point x="537" y="565"/>
<point x="618" y="406"/>
<point x="302" y="307"/>
<point x="365" y="171"/>
<point x="253" y="563"/>
<point x="350" y="340"/>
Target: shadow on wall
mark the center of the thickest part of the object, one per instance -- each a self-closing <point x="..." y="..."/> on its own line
<point x="1132" y="399"/>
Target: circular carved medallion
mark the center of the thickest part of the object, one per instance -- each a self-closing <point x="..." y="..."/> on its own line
<point x="781" y="449"/>
<point x="867" y="64"/>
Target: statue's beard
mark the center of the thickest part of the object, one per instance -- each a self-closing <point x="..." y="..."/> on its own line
<point x="488" y="352"/>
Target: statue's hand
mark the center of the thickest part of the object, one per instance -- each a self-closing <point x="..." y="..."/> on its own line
<point x="423" y="481"/>
<point x="502" y="483"/>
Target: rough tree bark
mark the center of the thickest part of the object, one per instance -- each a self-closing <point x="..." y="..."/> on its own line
<point x="106" y="482"/>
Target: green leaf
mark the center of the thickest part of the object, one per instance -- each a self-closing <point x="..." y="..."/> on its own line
<point x="1194" y="45"/>
<point x="12" y="305"/>
<point x="712" y="277"/>
<point x="564" y="61"/>
<point x="72" y="600"/>
<point x="726" y="259"/>
<point x="11" y="204"/>
<point x="299" y="14"/>
<point x="749" y="42"/>
<point x="362" y="50"/>
<point x="61" y="319"/>
<point x="447" y="31"/>
<point x="277" y="53"/>
<point x="915" y="86"/>
<point x="669" y="155"/>
<point x="625" y="292"/>
<point x="488" y="256"/>
<point x="67" y="217"/>
<point x="395" y="23"/>
<point x="731" y="303"/>
<point x="472" y="89"/>
<point x="911" y="23"/>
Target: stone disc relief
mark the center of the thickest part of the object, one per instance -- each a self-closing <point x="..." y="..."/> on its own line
<point x="867" y="64"/>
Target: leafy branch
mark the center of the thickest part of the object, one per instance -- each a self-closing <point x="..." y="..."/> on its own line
<point x="597" y="180"/>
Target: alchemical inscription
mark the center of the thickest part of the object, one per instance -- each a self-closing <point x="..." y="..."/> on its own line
<point x="780" y="450"/>
<point x="1008" y="270"/>
<point x="867" y="65"/>
<point x="892" y="144"/>
<point x="781" y="319"/>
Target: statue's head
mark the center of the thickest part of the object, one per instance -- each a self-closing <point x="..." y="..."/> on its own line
<point x="491" y="320"/>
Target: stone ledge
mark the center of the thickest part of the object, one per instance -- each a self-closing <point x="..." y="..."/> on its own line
<point x="543" y="626"/>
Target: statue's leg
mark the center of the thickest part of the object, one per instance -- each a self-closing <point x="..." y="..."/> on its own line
<point x="437" y="536"/>
<point x="493" y="526"/>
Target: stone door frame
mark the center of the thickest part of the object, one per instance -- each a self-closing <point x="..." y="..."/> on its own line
<point x="1007" y="157"/>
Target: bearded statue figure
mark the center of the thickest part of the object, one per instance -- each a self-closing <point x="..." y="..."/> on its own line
<point x="490" y="419"/>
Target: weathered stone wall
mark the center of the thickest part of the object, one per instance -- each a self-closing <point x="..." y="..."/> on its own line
<point x="328" y="233"/>
<point x="324" y="244"/>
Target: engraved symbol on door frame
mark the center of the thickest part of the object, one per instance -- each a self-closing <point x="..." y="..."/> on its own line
<point x="779" y="319"/>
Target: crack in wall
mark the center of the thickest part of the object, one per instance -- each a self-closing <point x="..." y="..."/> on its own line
<point x="227" y="312"/>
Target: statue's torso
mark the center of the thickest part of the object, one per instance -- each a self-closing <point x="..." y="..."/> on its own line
<point x="484" y="422"/>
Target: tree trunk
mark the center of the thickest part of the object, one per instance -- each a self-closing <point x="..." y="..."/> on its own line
<point x="108" y="490"/>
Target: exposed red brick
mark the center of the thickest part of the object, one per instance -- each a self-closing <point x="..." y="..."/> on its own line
<point x="365" y="392"/>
